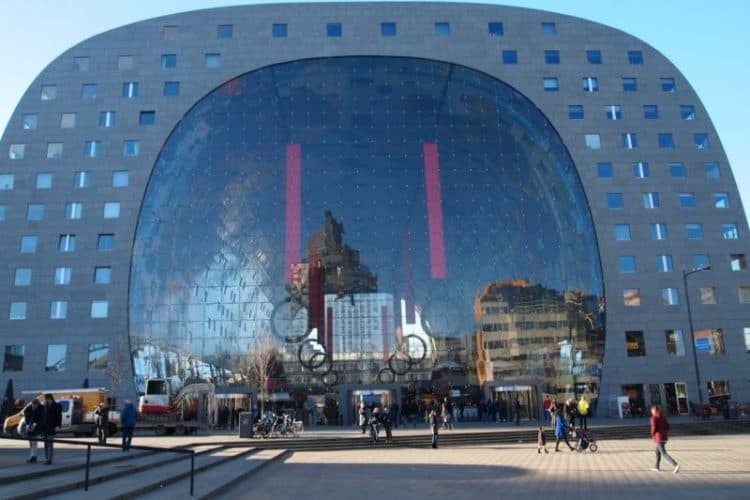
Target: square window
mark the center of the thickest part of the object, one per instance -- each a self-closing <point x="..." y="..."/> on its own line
<point x="120" y="178"/>
<point x="125" y="62"/>
<point x="81" y="64"/>
<point x="130" y="90"/>
<point x="170" y="32"/>
<point x="594" y="56"/>
<point x="668" y="85"/>
<point x="677" y="170"/>
<point x="62" y="276"/>
<point x="650" y="111"/>
<point x="56" y="355"/>
<point x="651" y="200"/>
<point x="92" y="149"/>
<point x="729" y="231"/>
<point x="632" y="297"/>
<point x="73" y="210"/>
<point x="2" y="212"/>
<point x="171" y="89"/>
<point x="675" y="342"/>
<point x="666" y="140"/>
<point x="747" y="339"/>
<point x="102" y="275"/>
<point x="29" y="244"/>
<point x="635" y="344"/>
<point x="721" y="200"/>
<point x="168" y="61"/>
<point x="701" y="141"/>
<point x="495" y="28"/>
<point x="7" y="181"/>
<point x="131" y="148"/>
<point x="23" y="277"/>
<point x="279" y="30"/>
<point x="442" y="29"/>
<point x="615" y="200"/>
<point x="708" y="295"/>
<point x="670" y="297"/>
<point x="549" y="29"/>
<point x="593" y="141"/>
<point x="147" y="118"/>
<point x="35" y="211"/>
<point x="510" y="57"/>
<point x="112" y="210"/>
<point x="552" y="57"/>
<point x="68" y="120"/>
<point x="701" y="261"/>
<point x="107" y="119"/>
<point x="590" y="84"/>
<point x="66" y="243"/>
<point x="388" y="29"/>
<point x="212" y="61"/>
<point x="629" y="84"/>
<point x="550" y="84"/>
<point x="613" y="112"/>
<point x="29" y="121"/>
<point x="710" y="341"/>
<point x="694" y="231"/>
<point x="635" y="57"/>
<point x="604" y="170"/>
<point x="54" y="150"/>
<point x="687" y="200"/>
<point x="224" y="31"/>
<point x="49" y="92"/>
<point x="743" y="294"/>
<point x="627" y="264"/>
<point x="98" y="354"/>
<point x="105" y="242"/>
<point x="687" y="112"/>
<point x="575" y="112"/>
<point x="81" y="179"/>
<point x="658" y="231"/>
<point x="88" y="91"/>
<point x="630" y="140"/>
<point x="641" y="170"/>
<point x="664" y="264"/>
<point x="712" y="170"/>
<point x="17" y="311"/>
<point x="58" y="309"/>
<point x="99" y="309"/>
<point x="622" y="232"/>
<point x="16" y="151"/>
<point x="334" y="30"/>
<point x="13" y="361"/>
<point x="44" y="181"/>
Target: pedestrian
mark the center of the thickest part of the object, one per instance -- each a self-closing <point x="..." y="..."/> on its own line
<point x="660" y="435"/>
<point x="541" y="440"/>
<point x="102" y="423"/>
<point x="553" y="413"/>
<point x="375" y="424"/>
<point x="561" y="430"/>
<point x="128" y="417"/>
<point x="446" y="412"/>
<point x="32" y="417"/>
<point x="517" y="411"/>
<point x="583" y="413"/>
<point x="434" y="425"/>
<point x="385" y="419"/>
<point x="362" y="414"/>
<point x="50" y="421"/>
<point x="570" y="412"/>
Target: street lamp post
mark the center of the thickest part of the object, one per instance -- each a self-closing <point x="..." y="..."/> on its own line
<point x="685" y="275"/>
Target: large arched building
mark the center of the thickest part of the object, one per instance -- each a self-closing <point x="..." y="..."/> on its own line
<point x="400" y="201"/>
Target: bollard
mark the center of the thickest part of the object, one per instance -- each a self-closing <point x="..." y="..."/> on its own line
<point x="88" y="464"/>
<point x="192" y="470"/>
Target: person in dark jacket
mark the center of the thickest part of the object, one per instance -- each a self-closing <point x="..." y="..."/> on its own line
<point x="660" y="435"/>
<point x="571" y="411"/>
<point x="434" y="425"/>
<point x="50" y="421"/>
<point x="128" y="417"/>
<point x="561" y="430"/>
<point x="32" y="418"/>
<point x="102" y="423"/>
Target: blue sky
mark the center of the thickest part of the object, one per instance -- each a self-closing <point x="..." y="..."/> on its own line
<point x="708" y="42"/>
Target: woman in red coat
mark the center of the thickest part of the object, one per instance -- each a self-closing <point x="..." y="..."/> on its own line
<point x="660" y="435"/>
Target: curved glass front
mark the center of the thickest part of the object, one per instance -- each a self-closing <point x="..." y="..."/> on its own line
<point x="367" y="220"/>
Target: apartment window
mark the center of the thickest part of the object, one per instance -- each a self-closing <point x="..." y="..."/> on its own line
<point x="81" y="179"/>
<point x="629" y="84"/>
<point x="622" y="232"/>
<point x="495" y="28"/>
<point x="170" y="32"/>
<point x="58" y="309"/>
<point x="120" y="178"/>
<point x="708" y="295"/>
<point x="613" y="112"/>
<point x="54" y="150"/>
<point x="49" y="92"/>
<point x="389" y="29"/>
<point x="98" y="354"/>
<point x="664" y="264"/>
<point x="594" y="56"/>
<point x="124" y="62"/>
<point x="590" y="84"/>
<point x="81" y="64"/>
<point x="107" y="119"/>
<point x="44" y="180"/>
<point x="651" y="200"/>
<point x="604" y="170"/>
<point x="105" y="242"/>
<point x="737" y="262"/>
<point x="721" y="200"/>
<point x="29" y="244"/>
<point x="2" y="212"/>
<point x="99" y="309"/>
<point x="675" y="342"/>
<point x="112" y="210"/>
<point x="550" y="84"/>
<point x="334" y="30"/>
<point x="17" y="311"/>
<point x="669" y="297"/>
<point x="29" y="121"/>
<point x="56" y="354"/>
<point x="212" y="60"/>
<point x="700" y="141"/>
<point x="729" y="231"/>
<point x="615" y="200"/>
<point x="549" y="29"/>
<point x="712" y="170"/>
<point x="629" y="140"/>
<point x="92" y="149"/>
<point x="23" y="277"/>
<point x="641" y="170"/>
<point x="16" y="151"/>
<point x="627" y="264"/>
<point x="747" y="339"/>
<point x="88" y="91"/>
<point x="710" y="341"/>
<point x="279" y="30"/>
<point x="552" y="57"/>
<point x="632" y="297"/>
<point x="147" y="118"/>
<point x="168" y="61"/>
<point x="668" y="85"/>
<point x="650" y="111"/>
<point x="68" y="120"/>
<point x="35" y="211"/>
<point x="677" y="170"/>
<point x="224" y="31"/>
<point x="635" y="344"/>
<point x="694" y="231"/>
<point x="130" y="89"/>
<point x="743" y="294"/>
<point x="13" y="360"/>
<point x="593" y="141"/>
<point x="575" y="112"/>
<point x="665" y="140"/>
<point x="73" y="210"/>
<point x="171" y="89"/>
<point x="687" y="112"/>
<point x="131" y="148"/>
<point x="687" y="200"/>
<point x="700" y="261"/>
<point x="658" y="231"/>
<point x="66" y="243"/>
<point x="102" y="275"/>
<point x="62" y="276"/>
<point x="635" y="57"/>
<point x="7" y="181"/>
<point x="510" y="57"/>
<point x="442" y="29"/>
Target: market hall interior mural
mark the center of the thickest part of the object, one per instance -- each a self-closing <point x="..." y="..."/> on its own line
<point x="373" y="220"/>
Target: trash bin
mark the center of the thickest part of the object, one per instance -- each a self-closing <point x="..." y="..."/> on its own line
<point x="246" y="424"/>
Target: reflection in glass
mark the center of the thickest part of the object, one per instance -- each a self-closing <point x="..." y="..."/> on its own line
<point x="98" y="355"/>
<point x="56" y="354"/>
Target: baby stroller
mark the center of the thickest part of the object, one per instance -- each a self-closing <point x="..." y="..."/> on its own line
<point x="585" y="441"/>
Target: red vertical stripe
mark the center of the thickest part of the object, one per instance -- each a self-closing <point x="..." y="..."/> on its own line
<point x="438" y="266"/>
<point x="293" y="209"/>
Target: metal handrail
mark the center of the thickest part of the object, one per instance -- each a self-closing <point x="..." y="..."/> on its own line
<point x="88" y="453"/>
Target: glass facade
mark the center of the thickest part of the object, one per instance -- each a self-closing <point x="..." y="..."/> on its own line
<point x="373" y="220"/>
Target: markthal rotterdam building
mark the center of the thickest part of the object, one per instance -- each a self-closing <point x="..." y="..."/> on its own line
<point x="400" y="201"/>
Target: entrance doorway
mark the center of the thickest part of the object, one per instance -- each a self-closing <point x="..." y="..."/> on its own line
<point x="676" y="397"/>
<point x="506" y="396"/>
<point x="382" y="398"/>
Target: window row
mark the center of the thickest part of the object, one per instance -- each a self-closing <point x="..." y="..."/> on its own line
<point x="664" y="263"/>
<point x="671" y="296"/>
<point x="591" y="83"/>
<point x="614" y="112"/>
<point x="15" y="354"/>
<point x="709" y="341"/>
<point x="91" y="149"/>
<point x="98" y="309"/>
<point x="642" y="170"/>
<point x="73" y="210"/>
<point x="62" y="276"/>
<point x="81" y="180"/>
<point x="89" y="91"/>
<point x="616" y="200"/>
<point x="107" y="119"/>
<point x="66" y="243"/>
<point x="665" y="140"/>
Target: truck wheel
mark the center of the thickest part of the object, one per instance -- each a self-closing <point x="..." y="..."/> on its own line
<point x="160" y="430"/>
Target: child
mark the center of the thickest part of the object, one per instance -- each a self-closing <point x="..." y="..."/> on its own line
<point x="541" y="441"/>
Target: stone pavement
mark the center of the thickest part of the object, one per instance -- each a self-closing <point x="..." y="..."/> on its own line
<point x="716" y="467"/>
